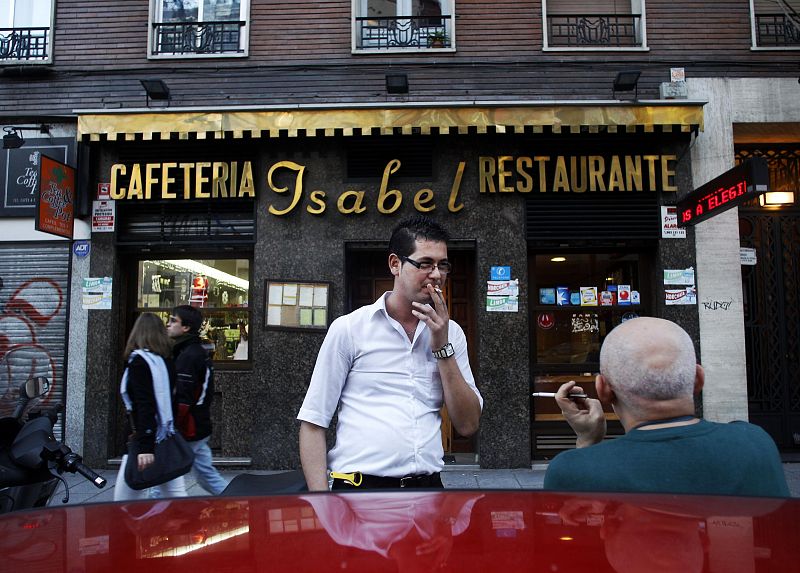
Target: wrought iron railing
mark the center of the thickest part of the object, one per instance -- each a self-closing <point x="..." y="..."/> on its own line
<point x="602" y="30"/>
<point x="404" y="32"/>
<point x="222" y="37"/>
<point x="776" y="30"/>
<point x="24" y="44"/>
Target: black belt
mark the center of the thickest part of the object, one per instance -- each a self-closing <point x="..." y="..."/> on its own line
<point x="357" y="480"/>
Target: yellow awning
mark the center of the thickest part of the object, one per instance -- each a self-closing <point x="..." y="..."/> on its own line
<point x="572" y="118"/>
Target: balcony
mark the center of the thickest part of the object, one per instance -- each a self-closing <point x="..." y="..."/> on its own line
<point x="404" y="32"/>
<point x="776" y="30"/>
<point x="195" y="38"/>
<point x="24" y="45"/>
<point x="594" y="30"/>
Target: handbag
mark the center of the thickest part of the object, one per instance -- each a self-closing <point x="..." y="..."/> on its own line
<point x="173" y="458"/>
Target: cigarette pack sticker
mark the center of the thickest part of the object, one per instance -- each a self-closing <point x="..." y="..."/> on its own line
<point x="679" y="276"/>
<point x="562" y="296"/>
<point x="606" y="298"/>
<point x="502" y="304"/>
<point x="635" y="298"/>
<point x="575" y="297"/>
<point x="503" y="288"/>
<point x="588" y="296"/>
<point x="623" y="295"/>
<point x="686" y="295"/>
<point x="547" y="296"/>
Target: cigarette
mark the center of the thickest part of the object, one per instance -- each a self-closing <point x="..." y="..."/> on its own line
<point x="437" y="289"/>
<point x="553" y="395"/>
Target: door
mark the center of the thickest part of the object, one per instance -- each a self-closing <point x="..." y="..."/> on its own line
<point x="370" y="278"/>
<point x="772" y="322"/>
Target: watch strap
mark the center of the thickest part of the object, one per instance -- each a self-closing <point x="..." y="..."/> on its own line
<point x="445" y="351"/>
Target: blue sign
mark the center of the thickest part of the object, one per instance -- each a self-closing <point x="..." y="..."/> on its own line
<point x="500" y="273"/>
<point x="81" y="248"/>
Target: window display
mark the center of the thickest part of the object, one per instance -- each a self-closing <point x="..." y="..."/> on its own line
<point x="581" y="297"/>
<point x="220" y="288"/>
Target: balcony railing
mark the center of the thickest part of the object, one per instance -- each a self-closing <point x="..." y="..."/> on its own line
<point x="776" y="30"/>
<point x="222" y="37"/>
<point x="24" y="44"/>
<point x="594" y="30"/>
<point x="404" y="32"/>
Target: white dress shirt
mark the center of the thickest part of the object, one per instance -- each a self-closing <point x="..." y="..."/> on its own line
<point x="389" y="392"/>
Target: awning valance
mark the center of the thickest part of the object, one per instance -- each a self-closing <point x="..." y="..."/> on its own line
<point x="533" y="118"/>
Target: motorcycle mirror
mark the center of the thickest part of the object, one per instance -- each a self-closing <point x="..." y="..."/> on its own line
<point x="36" y="387"/>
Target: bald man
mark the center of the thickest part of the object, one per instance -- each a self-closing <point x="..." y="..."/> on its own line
<point x="649" y="375"/>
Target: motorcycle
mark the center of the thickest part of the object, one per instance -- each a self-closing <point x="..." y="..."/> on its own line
<point x="31" y="459"/>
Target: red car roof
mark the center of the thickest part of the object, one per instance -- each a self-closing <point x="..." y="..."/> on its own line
<point x="451" y="530"/>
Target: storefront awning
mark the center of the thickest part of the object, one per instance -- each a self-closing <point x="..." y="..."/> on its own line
<point x="613" y="117"/>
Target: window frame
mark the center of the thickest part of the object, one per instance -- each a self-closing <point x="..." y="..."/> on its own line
<point x="546" y="47"/>
<point x="48" y="59"/>
<point x="754" y="36"/>
<point x="450" y="26"/>
<point x="154" y="18"/>
<point x="136" y="310"/>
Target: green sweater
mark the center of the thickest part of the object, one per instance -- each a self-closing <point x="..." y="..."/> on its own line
<point x="704" y="458"/>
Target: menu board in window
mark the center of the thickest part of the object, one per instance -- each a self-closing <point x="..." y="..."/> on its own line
<point x="297" y="305"/>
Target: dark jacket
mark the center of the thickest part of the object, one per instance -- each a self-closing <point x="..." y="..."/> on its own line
<point x="143" y="416"/>
<point x="195" y="388"/>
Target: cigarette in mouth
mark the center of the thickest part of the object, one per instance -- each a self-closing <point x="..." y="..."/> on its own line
<point x="437" y="289"/>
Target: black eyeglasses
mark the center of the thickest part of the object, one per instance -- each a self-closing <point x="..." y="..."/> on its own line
<point x="443" y="266"/>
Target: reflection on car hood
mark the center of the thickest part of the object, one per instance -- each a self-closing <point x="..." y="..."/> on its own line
<point x="461" y="531"/>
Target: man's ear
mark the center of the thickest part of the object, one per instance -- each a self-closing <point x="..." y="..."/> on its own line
<point x="699" y="379"/>
<point x="394" y="264"/>
<point x="604" y="391"/>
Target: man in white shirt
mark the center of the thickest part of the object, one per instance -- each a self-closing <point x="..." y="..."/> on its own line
<point x="389" y="367"/>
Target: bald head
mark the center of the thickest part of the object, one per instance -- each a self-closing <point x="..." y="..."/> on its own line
<point x="649" y="359"/>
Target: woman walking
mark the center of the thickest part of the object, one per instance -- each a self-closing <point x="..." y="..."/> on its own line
<point x="147" y="390"/>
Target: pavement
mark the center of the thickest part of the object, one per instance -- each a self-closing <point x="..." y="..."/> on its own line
<point x="463" y="477"/>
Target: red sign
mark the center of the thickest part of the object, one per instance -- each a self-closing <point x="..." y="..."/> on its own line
<point x="55" y="205"/>
<point x="733" y="187"/>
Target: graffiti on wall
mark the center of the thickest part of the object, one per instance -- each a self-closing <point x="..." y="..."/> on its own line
<point x="24" y="316"/>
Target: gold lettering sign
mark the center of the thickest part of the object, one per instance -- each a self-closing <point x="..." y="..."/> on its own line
<point x="201" y="180"/>
<point x="576" y="173"/>
<point x="501" y="174"/>
<point x="351" y="201"/>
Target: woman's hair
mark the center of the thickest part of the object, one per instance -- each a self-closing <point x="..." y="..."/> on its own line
<point x="149" y="333"/>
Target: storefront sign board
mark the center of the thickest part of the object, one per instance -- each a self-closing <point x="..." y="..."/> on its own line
<point x="685" y="296"/>
<point x="738" y="185"/>
<point x="55" y="202"/>
<point x="679" y="276"/>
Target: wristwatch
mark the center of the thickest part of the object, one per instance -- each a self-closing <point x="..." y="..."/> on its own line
<point x="445" y="351"/>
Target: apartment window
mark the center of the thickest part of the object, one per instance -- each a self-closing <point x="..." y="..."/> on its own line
<point x="403" y="25"/>
<point x="199" y="28"/>
<point x="775" y="24"/>
<point x="220" y="288"/>
<point x="26" y="31"/>
<point x="603" y="25"/>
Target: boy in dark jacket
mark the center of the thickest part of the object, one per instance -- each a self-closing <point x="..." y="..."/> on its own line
<point x="194" y="392"/>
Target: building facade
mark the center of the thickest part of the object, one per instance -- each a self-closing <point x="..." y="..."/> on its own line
<point x="253" y="161"/>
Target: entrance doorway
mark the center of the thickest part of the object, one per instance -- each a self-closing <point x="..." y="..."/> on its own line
<point x="772" y="322"/>
<point x="369" y="277"/>
<point x="576" y="299"/>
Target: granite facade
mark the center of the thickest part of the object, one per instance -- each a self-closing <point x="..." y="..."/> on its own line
<point x="259" y="403"/>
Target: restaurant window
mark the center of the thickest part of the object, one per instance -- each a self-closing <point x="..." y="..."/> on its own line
<point x="220" y="288"/>
<point x="402" y="25"/>
<point x="199" y="28"/>
<point x="579" y="299"/>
